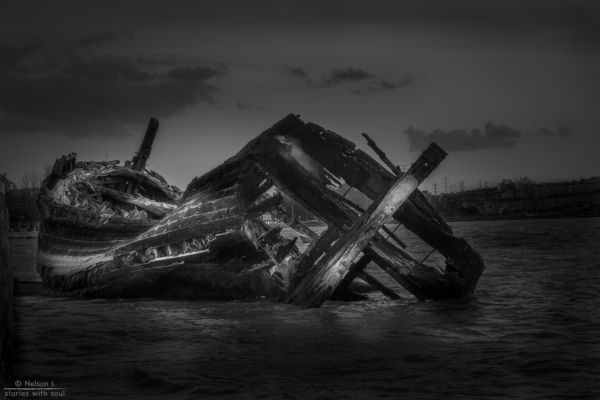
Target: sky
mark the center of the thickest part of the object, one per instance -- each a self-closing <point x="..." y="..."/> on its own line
<point x="509" y="88"/>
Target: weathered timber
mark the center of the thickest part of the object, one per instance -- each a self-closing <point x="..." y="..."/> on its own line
<point x="422" y="210"/>
<point x="328" y="272"/>
<point x="423" y="281"/>
<point x="157" y="209"/>
<point x="393" y="167"/>
<point x="6" y="295"/>
<point x="320" y="148"/>
<point x="375" y="283"/>
<point x="390" y="234"/>
<point x="360" y="265"/>
<point x="141" y="158"/>
<point x="214" y="243"/>
<point x="138" y="162"/>
<point x="359" y="210"/>
<point x="182" y="233"/>
<point x="264" y="206"/>
<point x="281" y="215"/>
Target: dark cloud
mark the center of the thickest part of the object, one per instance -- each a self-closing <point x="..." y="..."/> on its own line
<point x="382" y="85"/>
<point x="100" y="38"/>
<point x="189" y="73"/>
<point x="246" y="107"/>
<point x="562" y="131"/>
<point x="576" y="19"/>
<point x="96" y="95"/>
<point x="295" y="72"/>
<point x="493" y="136"/>
<point x="376" y="86"/>
<point x="13" y="57"/>
<point x="343" y="75"/>
<point x="106" y="69"/>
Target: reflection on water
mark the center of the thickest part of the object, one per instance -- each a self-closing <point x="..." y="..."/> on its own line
<point x="530" y="332"/>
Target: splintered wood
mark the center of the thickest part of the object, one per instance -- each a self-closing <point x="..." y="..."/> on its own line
<point x="123" y="231"/>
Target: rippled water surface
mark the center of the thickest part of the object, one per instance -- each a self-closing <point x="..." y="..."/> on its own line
<point x="532" y="331"/>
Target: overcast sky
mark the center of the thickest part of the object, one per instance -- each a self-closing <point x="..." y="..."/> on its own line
<point x="508" y="88"/>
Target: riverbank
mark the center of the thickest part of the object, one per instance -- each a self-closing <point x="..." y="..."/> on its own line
<point x="518" y="217"/>
<point x="6" y="295"/>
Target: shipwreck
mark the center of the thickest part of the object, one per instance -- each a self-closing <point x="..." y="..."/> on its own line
<point x="122" y="231"/>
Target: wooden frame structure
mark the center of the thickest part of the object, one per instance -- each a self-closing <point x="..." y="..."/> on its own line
<point x="213" y="241"/>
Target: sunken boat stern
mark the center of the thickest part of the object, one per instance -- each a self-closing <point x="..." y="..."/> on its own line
<point x="316" y="168"/>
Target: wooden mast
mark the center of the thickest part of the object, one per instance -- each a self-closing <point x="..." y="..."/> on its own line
<point x="139" y="160"/>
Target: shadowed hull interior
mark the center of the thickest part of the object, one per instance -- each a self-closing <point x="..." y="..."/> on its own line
<point x="199" y="250"/>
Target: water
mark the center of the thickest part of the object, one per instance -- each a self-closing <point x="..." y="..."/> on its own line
<point x="532" y="331"/>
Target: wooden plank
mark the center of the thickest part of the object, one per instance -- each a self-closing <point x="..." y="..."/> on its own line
<point x="422" y="281"/>
<point x="393" y="167"/>
<point x="185" y="233"/>
<point x="318" y="148"/>
<point x="358" y="266"/>
<point x="138" y="162"/>
<point x="281" y="215"/>
<point x="155" y="208"/>
<point x="264" y="206"/>
<point x="330" y="269"/>
<point x="252" y="185"/>
<point x="375" y="283"/>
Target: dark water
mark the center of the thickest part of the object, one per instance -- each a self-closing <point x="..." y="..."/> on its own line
<point x="531" y="332"/>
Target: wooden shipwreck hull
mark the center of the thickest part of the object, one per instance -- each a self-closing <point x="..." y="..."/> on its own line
<point x="213" y="241"/>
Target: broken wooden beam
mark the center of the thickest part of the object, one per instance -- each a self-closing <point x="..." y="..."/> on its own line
<point x="281" y="215"/>
<point x="320" y="282"/>
<point x="423" y="281"/>
<point x="141" y="158"/>
<point x="418" y="200"/>
<point x="376" y="284"/>
<point x="358" y="266"/>
<point x="157" y="209"/>
<point x="393" y="167"/>
<point x="264" y="206"/>
<point x="138" y="162"/>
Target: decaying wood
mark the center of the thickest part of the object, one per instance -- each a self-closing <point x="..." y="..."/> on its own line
<point x="281" y="215"/>
<point x="264" y="206"/>
<point x="214" y="240"/>
<point x="375" y="283"/>
<point x="329" y="271"/>
<point x="157" y="209"/>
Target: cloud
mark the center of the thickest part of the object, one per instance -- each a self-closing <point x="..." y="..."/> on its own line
<point x="343" y="75"/>
<point x="189" y="73"/>
<point x="96" y="95"/>
<point x="562" y="131"/>
<point x="295" y="72"/>
<point x="376" y="86"/>
<point x="246" y="107"/>
<point x="100" y="38"/>
<point x="13" y="57"/>
<point x="106" y="69"/>
<point x="493" y="136"/>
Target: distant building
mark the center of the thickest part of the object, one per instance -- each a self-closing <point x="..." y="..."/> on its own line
<point x="524" y="198"/>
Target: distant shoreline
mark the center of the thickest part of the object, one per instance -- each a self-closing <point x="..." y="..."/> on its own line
<point x="516" y="217"/>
